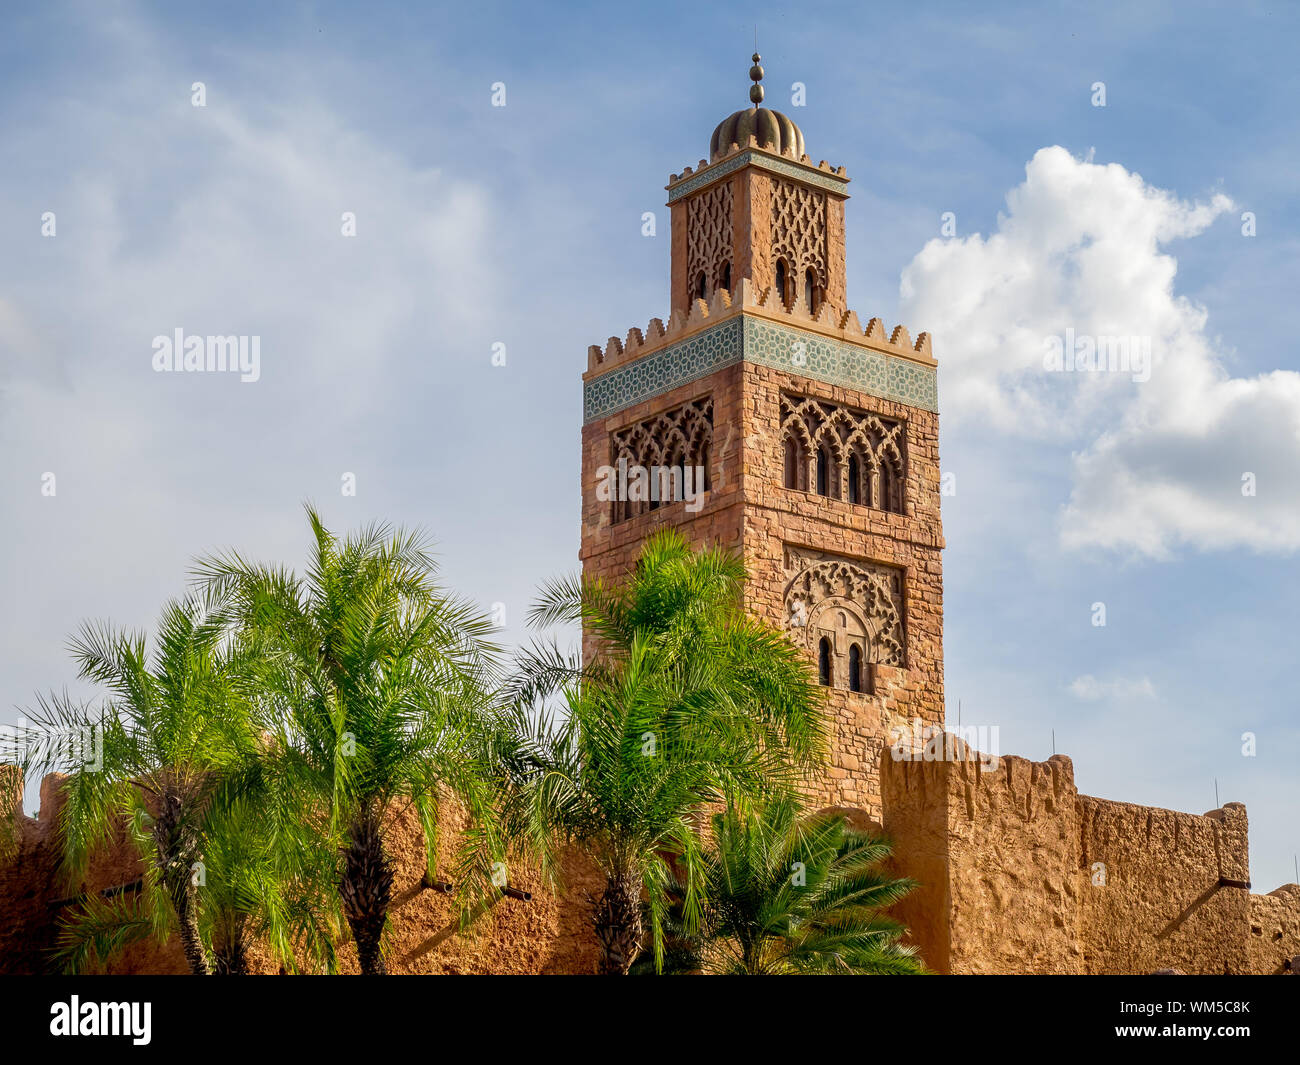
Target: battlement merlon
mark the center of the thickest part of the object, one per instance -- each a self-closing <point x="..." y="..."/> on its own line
<point x="834" y="180"/>
<point x="748" y="299"/>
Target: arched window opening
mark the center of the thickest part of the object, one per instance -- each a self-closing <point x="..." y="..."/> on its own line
<point x="726" y="276"/>
<point x="891" y="497"/>
<point x="823" y="472"/>
<point x="810" y="291"/>
<point x="855" y="668"/>
<point x="791" y="463"/>
<point x="824" y="662"/>
<point x="701" y="290"/>
<point x="855" y="480"/>
<point x="781" y="282"/>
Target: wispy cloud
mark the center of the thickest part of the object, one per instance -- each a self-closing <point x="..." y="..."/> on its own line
<point x="1090" y="689"/>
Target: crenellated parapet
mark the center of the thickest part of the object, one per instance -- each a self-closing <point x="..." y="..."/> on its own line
<point x="755" y="326"/>
<point x="843" y="325"/>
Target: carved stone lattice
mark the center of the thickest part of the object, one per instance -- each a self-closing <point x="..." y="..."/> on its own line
<point x="799" y="231"/>
<point x="709" y="222"/>
<point x="847" y="602"/>
<point x="673" y="448"/>
<point x="843" y="453"/>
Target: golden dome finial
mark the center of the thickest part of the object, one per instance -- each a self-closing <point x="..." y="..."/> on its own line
<point x="756" y="75"/>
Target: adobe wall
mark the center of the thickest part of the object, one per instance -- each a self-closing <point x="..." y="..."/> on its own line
<point x="1275" y="931"/>
<point x="1004" y="858"/>
<point x="1022" y="874"/>
<point x="1161" y="904"/>
<point x="1006" y="838"/>
<point x="916" y="819"/>
<point x="549" y="934"/>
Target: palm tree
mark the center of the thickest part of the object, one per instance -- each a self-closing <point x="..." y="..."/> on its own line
<point x="793" y="895"/>
<point x="374" y="690"/>
<point x="261" y="885"/>
<point x="687" y="702"/>
<point x="171" y="736"/>
<point x="248" y="889"/>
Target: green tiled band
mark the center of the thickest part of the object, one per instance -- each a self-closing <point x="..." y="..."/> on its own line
<point x="766" y="344"/>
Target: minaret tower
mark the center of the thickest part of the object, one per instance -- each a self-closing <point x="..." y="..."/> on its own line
<point x="817" y="436"/>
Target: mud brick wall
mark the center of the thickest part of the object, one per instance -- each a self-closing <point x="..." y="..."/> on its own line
<point x="1162" y="905"/>
<point x="1275" y="931"/>
<point x="550" y="934"/>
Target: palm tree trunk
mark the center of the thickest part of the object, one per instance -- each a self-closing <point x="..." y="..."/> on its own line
<point x="230" y="948"/>
<point x="366" y="891"/>
<point x="617" y="920"/>
<point x="187" y="913"/>
<point x="174" y="854"/>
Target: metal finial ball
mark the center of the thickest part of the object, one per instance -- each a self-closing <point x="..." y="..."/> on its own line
<point x="756" y="93"/>
<point x="755" y="73"/>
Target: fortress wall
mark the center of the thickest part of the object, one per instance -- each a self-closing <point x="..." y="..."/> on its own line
<point x="1161" y="904"/>
<point x="995" y="849"/>
<point x="1004" y="859"/>
<point x="548" y="934"/>
<point x="1275" y="931"/>
<point x="1013" y="866"/>
<point x="915" y="797"/>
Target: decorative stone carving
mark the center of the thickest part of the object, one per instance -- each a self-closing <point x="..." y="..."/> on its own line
<point x="843" y="453"/>
<point x="799" y="232"/>
<point x="666" y="446"/>
<point x="846" y="601"/>
<point x="709" y="253"/>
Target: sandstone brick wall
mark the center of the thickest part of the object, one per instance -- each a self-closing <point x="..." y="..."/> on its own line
<point x="748" y="508"/>
<point x="777" y="518"/>
<point x="752" y="239"/>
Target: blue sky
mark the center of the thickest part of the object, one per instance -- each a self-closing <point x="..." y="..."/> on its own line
<point x="521" y="225"/>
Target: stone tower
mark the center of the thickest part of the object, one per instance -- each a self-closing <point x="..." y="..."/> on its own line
<point x="816" y="438"/>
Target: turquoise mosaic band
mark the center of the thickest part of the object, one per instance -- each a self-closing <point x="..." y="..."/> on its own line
<point x="820" y="178"/>
<point x="765" y="343"/>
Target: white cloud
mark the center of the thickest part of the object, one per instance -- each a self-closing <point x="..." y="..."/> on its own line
<point x="1090" y="689"/>
<point x="1157" y="463"/>
<point x="219" y="220"/>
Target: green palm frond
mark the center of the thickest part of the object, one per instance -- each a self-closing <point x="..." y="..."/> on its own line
<point x="374" y="685"/>
<point x="100" y="928"/>
<point x="687" y="702"/>
<point x="788" y="893"/>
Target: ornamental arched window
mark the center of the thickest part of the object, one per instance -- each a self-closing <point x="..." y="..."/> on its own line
<point x="824" y="662"/>
<point x="660" y="461"/>
<point x="850" y="454"/>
